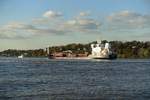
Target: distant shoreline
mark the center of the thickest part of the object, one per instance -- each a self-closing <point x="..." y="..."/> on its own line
<point x="128" y="49"/>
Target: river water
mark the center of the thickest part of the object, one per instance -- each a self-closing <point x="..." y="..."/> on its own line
<point x="44" y="79"/>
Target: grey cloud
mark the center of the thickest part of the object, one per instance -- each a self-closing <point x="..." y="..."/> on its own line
<point x="128" y="20"/>
<point x="80" y="23"/>
<point x="19" y="30"/>
<point x="17" y="25"/>
<point x="45" y="26"/>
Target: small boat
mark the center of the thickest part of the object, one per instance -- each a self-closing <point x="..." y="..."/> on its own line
<point x="21" y="56"/>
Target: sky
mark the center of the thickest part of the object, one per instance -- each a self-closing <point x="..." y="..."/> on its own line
<point x="33" y="24"/>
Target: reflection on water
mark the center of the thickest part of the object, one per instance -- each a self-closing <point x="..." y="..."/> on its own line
<point x="44" y="79"/>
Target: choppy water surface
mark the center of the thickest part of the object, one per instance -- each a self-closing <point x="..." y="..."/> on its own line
<point x="44" y="79"/>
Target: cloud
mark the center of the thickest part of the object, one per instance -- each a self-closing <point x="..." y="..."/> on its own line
<point x="52" y="14"/>
<point x="128" y="24"/>
<point x="48" y="17"/>
<point x="82" y="24"/>
<point x="83" y="14"/>
<point x="47" y="31"/>
<point x="16" y="30"/>
<point x="44" y="26"/>
<point x="17" y="25"/>
<point x="128" y="20"/>
<point x="39" y="21"/>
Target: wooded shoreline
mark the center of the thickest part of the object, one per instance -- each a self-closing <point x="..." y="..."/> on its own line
<point x="127" y="49"/>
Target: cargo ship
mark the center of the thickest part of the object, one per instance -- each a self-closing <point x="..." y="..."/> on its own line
<point x="98" y="51"/>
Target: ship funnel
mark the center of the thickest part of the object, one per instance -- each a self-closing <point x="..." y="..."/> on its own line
<point x="47" y="50"/>
<point x="107" y="46"/>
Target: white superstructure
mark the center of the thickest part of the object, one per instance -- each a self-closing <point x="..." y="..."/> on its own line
<point x="101" y="51"/>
